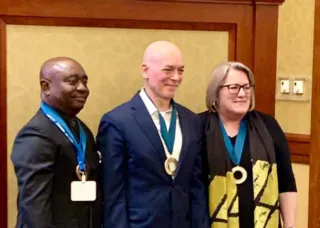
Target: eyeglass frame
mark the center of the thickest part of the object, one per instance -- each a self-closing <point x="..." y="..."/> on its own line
<point x="239" y="87"/>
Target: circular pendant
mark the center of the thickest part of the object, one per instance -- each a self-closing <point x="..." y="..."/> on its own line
<point x="171" y="165"/>
<point x="238" y="170"/>
<point x="80" y="173"/>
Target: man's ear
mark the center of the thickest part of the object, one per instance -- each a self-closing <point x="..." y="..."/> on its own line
<point x="144" y="71"/>
<point x="45" y="86"/>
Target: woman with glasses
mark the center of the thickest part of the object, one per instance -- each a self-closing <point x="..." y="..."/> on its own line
<point x="248" y="160"/>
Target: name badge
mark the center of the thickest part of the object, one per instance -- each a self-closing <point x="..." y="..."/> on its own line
<point x="83" y="190"/>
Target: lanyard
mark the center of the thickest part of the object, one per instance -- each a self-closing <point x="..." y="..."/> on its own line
<point x="235" y="151"/>
<point x="169" y="136"/>
<point x="61" y="124"/>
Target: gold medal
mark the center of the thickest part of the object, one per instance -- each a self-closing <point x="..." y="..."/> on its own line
<point x="170" y="165"/>
<point x="81" y="174"/>
<point x="243" y="173"/>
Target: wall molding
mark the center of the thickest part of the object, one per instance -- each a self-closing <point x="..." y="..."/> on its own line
<point x="247" y="2"/>
<point x="299" y="145"/>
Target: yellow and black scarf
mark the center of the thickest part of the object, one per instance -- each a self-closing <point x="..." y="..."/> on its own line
<point x="223" y="196"/>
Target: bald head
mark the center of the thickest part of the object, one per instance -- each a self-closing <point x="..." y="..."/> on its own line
<point x="52" y="66"/>
<point x="63" y="84"/>
<point x="162" y="69"/>
<point x="158" y="50"/>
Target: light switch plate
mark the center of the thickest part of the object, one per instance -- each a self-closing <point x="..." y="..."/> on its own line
<point x="298" y="86"/>
<point x="284" y="86"/>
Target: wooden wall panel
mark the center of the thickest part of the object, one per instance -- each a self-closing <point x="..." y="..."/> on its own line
<point x="3" y="126"/>
<point x="265" y="47"/>
<point x="267" y="2"/>
<point x="129" y="10"/>
<point x="252" y="27"/>
<point x="300" y="147"/>
<point x="314" y="186"/>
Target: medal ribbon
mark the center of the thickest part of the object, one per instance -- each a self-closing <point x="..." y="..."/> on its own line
<point x="235" y="151"/>
<point x="169" y="136"/>
<point x="61" y="124"/>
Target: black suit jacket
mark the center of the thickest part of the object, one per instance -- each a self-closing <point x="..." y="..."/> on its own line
<point x="45" y="162"/>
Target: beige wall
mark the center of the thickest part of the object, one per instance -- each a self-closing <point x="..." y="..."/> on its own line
<point x="301" y="173"/>
<point x="111" y="58"/>
<point x="295" y="56"/>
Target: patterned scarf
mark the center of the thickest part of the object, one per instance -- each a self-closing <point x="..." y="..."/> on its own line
<point x="223" y="196"/>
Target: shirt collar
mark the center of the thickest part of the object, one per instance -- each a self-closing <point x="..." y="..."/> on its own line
<point x="70" y="120"/>
<point x="147" y="102"/>
<point x="152" y="109"/>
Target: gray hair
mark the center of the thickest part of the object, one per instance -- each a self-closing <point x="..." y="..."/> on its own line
<point x="218" y="77"/>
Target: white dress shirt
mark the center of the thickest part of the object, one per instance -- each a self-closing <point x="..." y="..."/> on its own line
<point x="153" y="111"/>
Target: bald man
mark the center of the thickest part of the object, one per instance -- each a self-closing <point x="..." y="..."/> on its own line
<point x="55" y="157"/>
<point x="151" y="152"/>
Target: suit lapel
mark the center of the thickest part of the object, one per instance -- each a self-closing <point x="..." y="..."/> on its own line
<point x="185" y="130"/>
<point x="144" y="120"/>
<point x="65" y="142"/>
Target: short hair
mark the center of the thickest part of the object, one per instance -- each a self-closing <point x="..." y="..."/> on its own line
<point x="218" y="77"/>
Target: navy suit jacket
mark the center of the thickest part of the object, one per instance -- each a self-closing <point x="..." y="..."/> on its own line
<point x="136" y="190"/>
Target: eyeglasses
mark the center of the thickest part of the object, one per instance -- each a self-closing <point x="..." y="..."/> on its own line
<point x="235" y="88"/>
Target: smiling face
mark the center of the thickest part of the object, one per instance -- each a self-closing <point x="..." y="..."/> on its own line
<point x="66" y="86"/>
<point x="163" y="70"/>
<point x="231" y="102"/>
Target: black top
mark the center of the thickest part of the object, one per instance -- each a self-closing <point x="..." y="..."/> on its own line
<point x="286" y="180"/>
<point x="72" y="123"/>
<point x="245" y="190"/>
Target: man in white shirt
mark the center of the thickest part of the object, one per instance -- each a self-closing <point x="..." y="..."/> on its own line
<point x="151" y="152"/>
